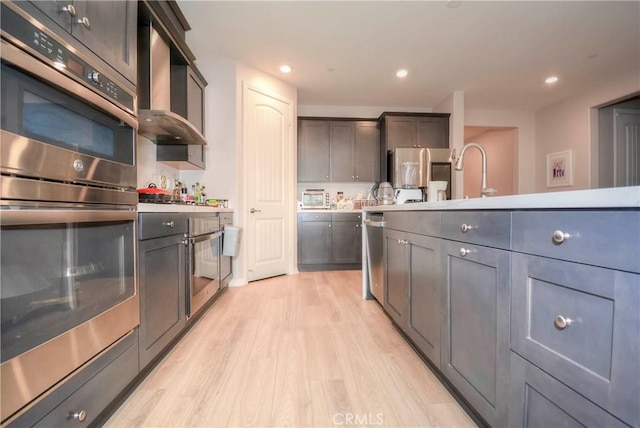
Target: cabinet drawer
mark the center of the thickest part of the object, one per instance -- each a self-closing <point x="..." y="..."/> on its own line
<point x="594" y="347"/>
<point x="353" y="217"/>
<point x="492" y="229"/>
<point x="539" y="400"/>
<point x="601" y="238"/>
<point x="420" y="222"/>
<point x="314" y="217"/>
<point x="153" y="225"/>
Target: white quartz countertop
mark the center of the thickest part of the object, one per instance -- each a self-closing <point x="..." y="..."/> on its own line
<point x="618" y="197"/>
<point x="180" y="208"/>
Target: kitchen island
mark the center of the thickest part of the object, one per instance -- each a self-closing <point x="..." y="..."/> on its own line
<point x="528" y="306"/>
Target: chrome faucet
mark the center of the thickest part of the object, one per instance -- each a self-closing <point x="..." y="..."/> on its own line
<point x="486" y="191"/>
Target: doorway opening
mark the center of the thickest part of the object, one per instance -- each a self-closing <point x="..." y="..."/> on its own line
<point x="616" y="147"/>
<point x="501" y="145"/>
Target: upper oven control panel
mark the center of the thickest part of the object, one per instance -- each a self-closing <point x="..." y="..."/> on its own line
<point x="32" y="37"/>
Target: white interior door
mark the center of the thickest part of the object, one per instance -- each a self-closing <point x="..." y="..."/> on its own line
<point x="626" y="133"/>
<point x="268" y="145"/>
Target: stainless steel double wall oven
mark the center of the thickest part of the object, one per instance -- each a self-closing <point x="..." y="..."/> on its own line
<point x="68" y="209"/>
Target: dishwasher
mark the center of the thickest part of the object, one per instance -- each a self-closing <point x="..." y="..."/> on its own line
<point x="374" y="224"/>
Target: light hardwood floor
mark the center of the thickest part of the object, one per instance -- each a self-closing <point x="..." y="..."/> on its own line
<point x="300" y="351"/>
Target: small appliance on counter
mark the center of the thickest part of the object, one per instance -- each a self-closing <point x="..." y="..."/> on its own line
<point x="416" y="168"/>
<point x="383" y="193"/>
<point x="409" y="191"/>
<point x="315" y="199"/>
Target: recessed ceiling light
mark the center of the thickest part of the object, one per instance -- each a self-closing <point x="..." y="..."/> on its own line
<point x="286" y="68"/>
<point x="402" y="73"/>
<point x="551" y="79"/>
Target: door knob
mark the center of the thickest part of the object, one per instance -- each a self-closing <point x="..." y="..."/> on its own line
<point x="253" y="210"/>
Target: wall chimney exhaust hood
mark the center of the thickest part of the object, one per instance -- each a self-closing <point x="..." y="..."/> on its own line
<point x="170" y="90"/>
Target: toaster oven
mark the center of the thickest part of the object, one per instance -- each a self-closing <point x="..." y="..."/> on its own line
<point x="315" y="199"/>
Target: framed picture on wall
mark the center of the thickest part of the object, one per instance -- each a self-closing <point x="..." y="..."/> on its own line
<point x="560" y="169"/>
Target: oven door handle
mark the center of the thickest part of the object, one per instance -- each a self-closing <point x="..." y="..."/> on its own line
<point x="26" y="62"/>
<point x="10" y="217"/>
<point x="207" y="237"/>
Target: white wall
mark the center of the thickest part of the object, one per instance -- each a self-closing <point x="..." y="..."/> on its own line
<point x="568" y="125"/>
<point x="454" y="104"/>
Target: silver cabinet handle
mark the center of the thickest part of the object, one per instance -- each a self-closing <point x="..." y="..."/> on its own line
<point x="70" y="9"/>
<point x="466" y="227"/>
<point x="464" y="251"/>
<point x="170" y="224"/>
<point x="80" y="416"/>
<point x="561" y="322"/>
<point x="353" y="177"/>
<point x="253" y="210"/>
<point x="559" y="237"/>
<point x="84" y="21"/>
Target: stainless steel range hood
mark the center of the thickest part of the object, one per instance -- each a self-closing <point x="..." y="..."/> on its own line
<point x="165" y="108"/>
<point x="166" y="127"/>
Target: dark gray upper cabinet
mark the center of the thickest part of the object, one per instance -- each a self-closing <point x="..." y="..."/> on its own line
<point x="313" y="150"/>
<point x="411" y="130"/>
<point x="342" y="139"/>
<point x="107" y="28"/>
<point x="338" y="150"/>
<point x="367" y="151"/>
<point x="475" y="341"/>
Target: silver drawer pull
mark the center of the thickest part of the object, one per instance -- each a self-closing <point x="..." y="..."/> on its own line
<point x="464" y="251"/>
<point x="559" y="237"/>
<point x="466" y="227"/>
<point x="170" y="224"/>
<point x="80" y="416"/>
<point x="84" y="21"/>
<point x="562" y="322"/>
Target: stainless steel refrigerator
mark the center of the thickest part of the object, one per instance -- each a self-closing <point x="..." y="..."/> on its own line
<point x="433" y="165"/>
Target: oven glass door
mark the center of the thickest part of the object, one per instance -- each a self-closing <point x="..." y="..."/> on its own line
<point x="57" y="276"/>
<point x="204" y="267"/>
<point x="45" y="113"/>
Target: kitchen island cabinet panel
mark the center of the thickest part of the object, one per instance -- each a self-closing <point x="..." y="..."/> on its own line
<point x="538" y="400"/>
<point x="581" y="236"/>
<point x="475" y="333"/>
<point x="396" y="299"/>
<point x="580" y="324"/>
<point x="425" y="295"/>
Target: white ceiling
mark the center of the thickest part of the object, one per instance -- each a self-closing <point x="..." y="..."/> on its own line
<point x="498" y="53"/>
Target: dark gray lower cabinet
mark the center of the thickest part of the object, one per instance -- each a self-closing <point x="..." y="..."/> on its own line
<point x="346" y="241"/>
<point x="396" y="280"/>
<point x="425" y="295"/>
<point x="580" y="324"/>
<point x="314" y="242"/>
<point x="412" y="285"/>
<point x="329" y="241"/>
<point x="538" y="400"/>
<point x="475" y="342"/>
<point x="162" y="267"/>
